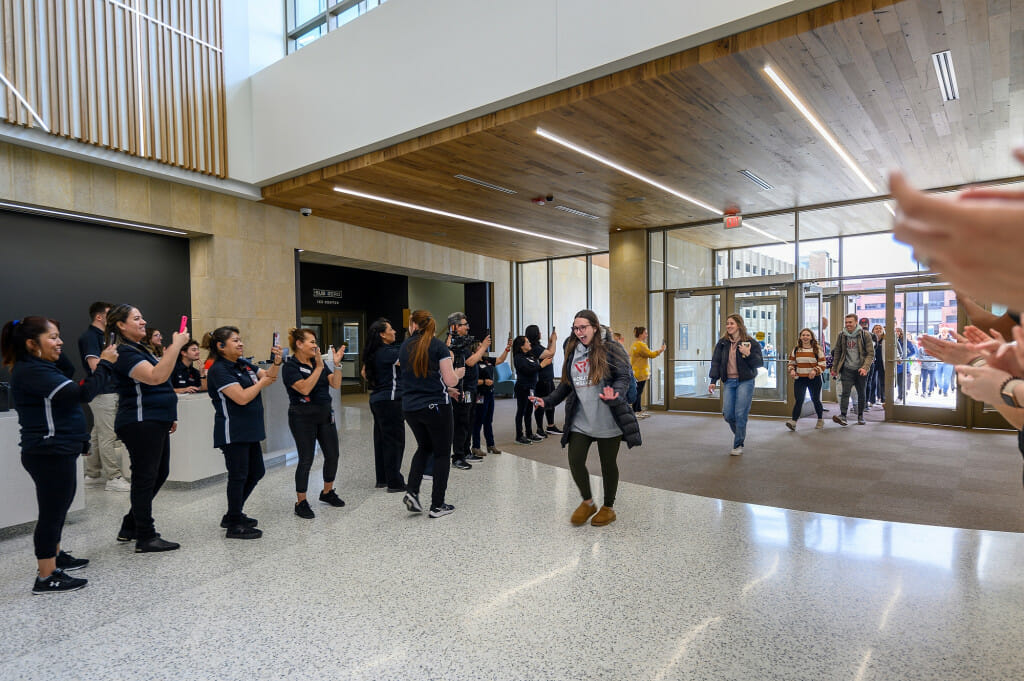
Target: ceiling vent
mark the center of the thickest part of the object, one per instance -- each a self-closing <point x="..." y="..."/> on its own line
<point x="947" y="77"/>
<point x="495" y="187"/>
<point x="756" y="180"/>
<point x="580" y="213"/>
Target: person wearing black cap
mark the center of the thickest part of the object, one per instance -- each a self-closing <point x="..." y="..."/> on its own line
<point x="147" y="413"/>
<point x="464" y="394"/>
<point x="311" y="414"/>
<point x="234" y="386"/>
<point x="53" y="434"/>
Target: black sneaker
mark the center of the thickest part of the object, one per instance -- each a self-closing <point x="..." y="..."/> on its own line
<point x="473" y="458"/>
<point x="412" y="502"/>
<point x="303" y="510"/>
<point x="246" y="520"/>
<point x="243" y="532"/>
<point x="542" y="433"/>
<point x="331" y="498"/>
<point x="379" y="485"/>
<point x="460" y="464"/>
<point x="538" y="438"/>
<point x="555" y="429"/>
<point x="66" y="562"/>
<point x="861" y="421"/>
<point x="56" y="583"/>
<point x="438" y="511"/>
<point x="393" y="490"/>
<point x="126" y="533"/>
<point x="156" y="545"/>
<point x="523" y="441"/>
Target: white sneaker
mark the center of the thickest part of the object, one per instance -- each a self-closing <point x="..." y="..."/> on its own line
<point x="118" y="484"/>
<point x="645" y="415"/>
<point x="791" y="424"/>
<point x="736" y="451"/>
<point x="94" y="481"/>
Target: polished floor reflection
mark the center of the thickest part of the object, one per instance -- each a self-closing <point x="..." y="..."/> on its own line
<point x="680" y="587"/>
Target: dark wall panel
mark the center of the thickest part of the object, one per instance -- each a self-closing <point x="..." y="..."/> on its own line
<point x="377" y="294"/>
<point x="57" y="268"/>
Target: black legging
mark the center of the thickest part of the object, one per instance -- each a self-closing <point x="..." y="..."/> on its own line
<point x="608" y="451"/>
<point x="55" y="476"/>
<point x="545" y="386"/>
<point x="388" y="442"/>
<point x="800" y="387"/>
<point x="637" y="406"/>
<point x="524" y="410"/>
<point x="432" y="428"/>
<point x="244" y="461"/>
<point x="149" y="450"/>
<point x="312" y="423"/>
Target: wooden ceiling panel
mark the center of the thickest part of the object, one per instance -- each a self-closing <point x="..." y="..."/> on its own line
<point x="692" y="121"/>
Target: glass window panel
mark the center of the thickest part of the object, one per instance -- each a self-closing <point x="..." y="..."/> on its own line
<point x="569" y="279"/>
<point x="304" y="10"/>
<point x="696" y="332"/>
<point x="656" y="333"/>
<point x="688" y="264"/>
<point x="876" y="254"/>
<point x="656" y="266"/>
<point x="600" y="291"/>
<point x="534" y="294"/>
<point x="819" y="258"/>
<point x="770" y="332"/>
<point x="309" y="36"/>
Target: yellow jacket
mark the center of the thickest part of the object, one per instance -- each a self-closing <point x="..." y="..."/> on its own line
<point x="640" y="357"/>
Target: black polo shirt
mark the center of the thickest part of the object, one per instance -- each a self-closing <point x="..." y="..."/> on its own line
<point x="137" y="402"/>
<point x="294" y="371"/>
<point x="185" y="377"/>
<point x="91" y="344"/>
<point x="420" y="393"/>
<point x="486" y="372"/>
<point x="546" y="373"/>
<point x="233" y="422"/>
<point x="388" y="375"/>
<point x="48" y="405"/>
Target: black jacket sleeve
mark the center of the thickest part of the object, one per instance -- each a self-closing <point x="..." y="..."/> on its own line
<point x="74" y="393"/>
<point x="526" y="365"/>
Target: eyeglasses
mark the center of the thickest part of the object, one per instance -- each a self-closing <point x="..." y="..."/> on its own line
<point x="581" y="329"/>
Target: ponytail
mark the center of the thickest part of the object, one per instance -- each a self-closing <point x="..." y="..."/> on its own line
<point x="16" y="333"/>
<point x="420" y="351"/>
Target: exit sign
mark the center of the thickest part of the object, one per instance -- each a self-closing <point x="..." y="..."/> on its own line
<point x="733" y="221"/>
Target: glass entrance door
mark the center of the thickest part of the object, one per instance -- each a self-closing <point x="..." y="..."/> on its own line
<point x="765" y="314"/>
<point x="331" y="328"/>
<point x="694" y="324"/>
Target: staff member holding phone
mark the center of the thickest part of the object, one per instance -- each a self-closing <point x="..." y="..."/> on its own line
<point x="147" y="413"/>
<point x="735" y="361"/>
<point x="311" y="416"/>
<point x="234" y="385"/>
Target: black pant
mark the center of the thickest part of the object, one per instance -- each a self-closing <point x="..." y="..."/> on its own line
<point x="876" y="383"/>
<point x="462" y="417"/>
<point x="851" y="379"/>
<point x="55" y="476"/>
<point x="149" y="450"/>
<point x="523" y="410"/>
<point x="244" y="461"/>
<point x="637" y="403"/>
<point x="607" y="451"/>
<point x="312" y="423"/>
<point x="432" y="428"/>
<point x="388" y="442"/>
<point x="800" y="387"/>
<point x="901" y="385"/>
<point x="484" y="418"/>
<point x="545" y="386"/>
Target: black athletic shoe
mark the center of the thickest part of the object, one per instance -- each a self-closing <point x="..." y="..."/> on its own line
<point x="379" y="485"/>
<point x="523" y="441"/>
<point x="126" y="533"/>
<point x="542" y="433"/>
<point x="555" y="429"/>
<point x="473" y="458"/>
<point x="243" y="532"/>
<point x="303" y="510"/>
<point x="412" y="502"/>
<point x="460" y="464"/>
<point x="246" y="520"/>
<point x="331" y="498"/>
<point x="393" y="490"/>
<point x="56" y="583"/>
<point x="438" y="511"/>
<point x="156" y="545"/>
<point x="538" y="438"/>
<point x="67" y="562"/>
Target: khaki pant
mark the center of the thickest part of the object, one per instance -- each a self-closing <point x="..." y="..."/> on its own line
<point x="106" y="452"/>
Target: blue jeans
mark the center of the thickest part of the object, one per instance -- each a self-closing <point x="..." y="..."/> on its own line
<point x="945" y="372"/>
<point x="736" y="398"/>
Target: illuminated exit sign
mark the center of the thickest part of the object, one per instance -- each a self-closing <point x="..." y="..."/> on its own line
<point x="733" y="221"/>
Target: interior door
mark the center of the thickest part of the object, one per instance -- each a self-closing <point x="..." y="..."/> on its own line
<point x="694" y="326"/>
<point x="765" y="313"/>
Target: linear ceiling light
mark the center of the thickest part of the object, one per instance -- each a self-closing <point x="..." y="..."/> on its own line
<point x="622" y="169"/>
<point x="456" y="216"/>
<point x="764" y="233"/>
<point x="817" y="125"/>
<point x="947" y="77"/>
<point x="24" y="102"/>
<point x="573" y="211"/>
<point x="756" y="180"/>
<point x="35" y="210"/>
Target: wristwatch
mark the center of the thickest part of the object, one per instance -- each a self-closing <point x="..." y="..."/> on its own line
<point x="1006" y="391"/>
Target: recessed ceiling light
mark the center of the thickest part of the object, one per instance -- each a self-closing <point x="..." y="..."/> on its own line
<point x="947" y="76"/>
<point x="635" y="199"/>
<point x="623" y="169"/>
<point x="495" y="187"/>
<point x="573" y="211"/>
<point x="756" y="180"/>
<point x="817" y="125"/>
<point x="456" y="216"/>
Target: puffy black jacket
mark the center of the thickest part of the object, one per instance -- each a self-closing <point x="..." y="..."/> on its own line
<point x="618" y="378"/>
<point x="746" y="366"/>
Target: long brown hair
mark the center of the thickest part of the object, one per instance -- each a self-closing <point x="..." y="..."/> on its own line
<point x="420" y="351"/>
<point x="814" y="343"/>
<point x="743" y="327"/>
<point x="597" y="353"/>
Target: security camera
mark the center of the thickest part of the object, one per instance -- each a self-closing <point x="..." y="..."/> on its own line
<point x="306" y="212"/>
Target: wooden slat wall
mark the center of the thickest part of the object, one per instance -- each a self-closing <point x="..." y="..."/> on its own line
<point x="148" y="80"/>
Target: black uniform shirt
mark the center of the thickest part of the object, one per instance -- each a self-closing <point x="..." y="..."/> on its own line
<point x="233" y="422"/>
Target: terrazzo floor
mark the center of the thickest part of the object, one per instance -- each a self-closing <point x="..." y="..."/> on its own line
<point x="680" y="587"/>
